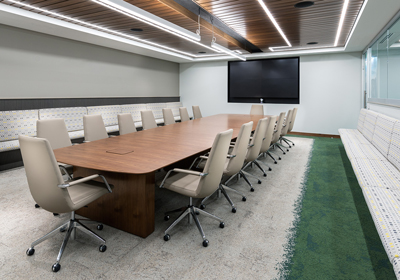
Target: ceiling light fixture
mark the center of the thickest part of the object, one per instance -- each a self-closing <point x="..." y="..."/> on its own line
<point x="146" y="17"/>
<point x="97" y="27"/>
<point x="274" y="21"/>
<point x="227" y="51"/>
<point x="344" y="10"/>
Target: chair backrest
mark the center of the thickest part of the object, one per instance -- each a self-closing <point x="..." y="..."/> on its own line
<point x="168" y="116"/>
<point x="126" y="124"/>
<point x="215" y="164"/>
<point x="93" y="127"/>
<point x="55" y="131"/>
<point x="242" y="142"/>
<point x="148" y="119"/>
<point x="44" y="175"/>
<point x="196" y="112"/>
<point x="294" y="113"/>
<point x="257" y="109"/>
<point x="269" y="132"/>
<point x="255" y="144"/>
<point x="184" y="114"/>
<point x="278" y="128"/>
<point x="286" y="125"/>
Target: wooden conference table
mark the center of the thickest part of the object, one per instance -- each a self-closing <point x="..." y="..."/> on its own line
<point x="129" y="163"/>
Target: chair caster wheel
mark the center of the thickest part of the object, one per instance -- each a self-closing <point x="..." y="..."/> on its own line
<point x="197" y="212"/>
<point x="234" y="210"/>
<point x="102" y="248"/>
<point x="37" y="205"/>
<point x="252" y="189"/>
<point x="166" y="218"/>
<point x="280" y="158"/>
<point x="270" y="169"/>
<point x="287" y="150"/>
<point x="275" y="162"/>
<point x="202" y="206"/>
<point x="244" y="198"/>
<point x="222" y="224"/>
<point x="56" y="214"/>
<point x="30" y="251"/>
<point x="205" y="243"/>
<point x="167" y="237"/>
<point x="56" y="267"/>
<point x="292" y="144"/>
<point x="259" y="181"/>
<point x="265" y="175"/>
<point x="284" y="153"/>
<point x="100" y="226"/>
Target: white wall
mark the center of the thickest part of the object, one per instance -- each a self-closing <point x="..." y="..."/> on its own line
<point x="330" y="92"/>
<point x="35" y="65"/>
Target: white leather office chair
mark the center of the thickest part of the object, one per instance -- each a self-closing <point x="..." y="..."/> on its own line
<point x="254" y="150"/>
<point x="168" y="116"/>
<point x="267" y="140"/>
<point x="196" y="112"/>
<point x="54" y="194"/>
<point x="199" y="184"/>
<point x="257" y="109"/>
<point x="184" y="114"/>
<point x="148" y="119"/>
<point x="233" y="165"/>
<point x="294" y="113"/>
<point x="126" y="124"/>
<point x="55" y="131"/>
<point x="277" y="135"/>
<point x="93" y="128"/>
<point x="285" y="127"/>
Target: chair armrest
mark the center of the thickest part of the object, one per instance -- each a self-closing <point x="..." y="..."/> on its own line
<point x="231" y="156"/>
<point x="85" y="179"/>
<point x="178" y="170"/>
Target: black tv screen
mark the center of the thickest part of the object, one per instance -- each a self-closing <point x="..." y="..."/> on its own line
<point x="273" y="80"/>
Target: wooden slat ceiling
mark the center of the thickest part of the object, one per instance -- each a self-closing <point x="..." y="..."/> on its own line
<point x="317" y="23"/>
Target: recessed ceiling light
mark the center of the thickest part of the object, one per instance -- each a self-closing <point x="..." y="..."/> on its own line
<point x="312" y="43"/>
<point x="136" y="29"/>
<point x="201" y="52"/>
<point x="304" y="4"/>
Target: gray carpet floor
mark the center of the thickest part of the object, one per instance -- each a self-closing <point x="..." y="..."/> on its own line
<point x="251" y="246"/>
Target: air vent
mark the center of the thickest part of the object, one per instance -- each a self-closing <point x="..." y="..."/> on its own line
<point x="385" y="38"/>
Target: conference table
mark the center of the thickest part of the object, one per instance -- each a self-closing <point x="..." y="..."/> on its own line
<point x="130" y="161"/>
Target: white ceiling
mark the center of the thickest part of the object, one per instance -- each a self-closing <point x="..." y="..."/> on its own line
<point x="374" y="16"/>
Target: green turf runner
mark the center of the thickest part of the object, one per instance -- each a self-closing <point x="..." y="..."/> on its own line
<point x="334" y="236"/>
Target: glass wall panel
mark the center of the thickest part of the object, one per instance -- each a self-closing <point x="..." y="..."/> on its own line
<point x="394" y="61"/>
<point x="379" y="69"/>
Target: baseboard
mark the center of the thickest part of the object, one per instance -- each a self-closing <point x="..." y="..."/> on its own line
<point x="314" y="134"/>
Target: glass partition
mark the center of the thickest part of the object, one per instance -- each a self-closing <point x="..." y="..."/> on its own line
<point x="382" y="69"/>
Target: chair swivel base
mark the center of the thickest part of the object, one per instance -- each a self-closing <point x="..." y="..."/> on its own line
<point x="70" y="227"/>
<point x="222" y="188"/>
<point x="192" y="211"/>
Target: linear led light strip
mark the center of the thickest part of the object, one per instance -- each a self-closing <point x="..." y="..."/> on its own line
<point x="275" y="23"/>
<point x="227" y="51"/>
<point x="344" y="10"/>
<point x="102" y="28"/>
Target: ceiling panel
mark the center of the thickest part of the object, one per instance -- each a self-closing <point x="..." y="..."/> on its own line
<point x="317" y="23"/>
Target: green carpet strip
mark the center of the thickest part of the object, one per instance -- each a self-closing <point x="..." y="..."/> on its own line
<point x="333" y="236"/>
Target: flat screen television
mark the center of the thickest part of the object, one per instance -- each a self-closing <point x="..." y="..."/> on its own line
<point x="270" y="80"/>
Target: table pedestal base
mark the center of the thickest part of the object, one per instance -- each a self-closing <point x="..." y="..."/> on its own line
<point x="130" y="207"/>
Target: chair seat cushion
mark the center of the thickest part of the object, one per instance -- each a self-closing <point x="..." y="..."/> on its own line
<point x="9" y="145"/>
<point x="384" y="206"/>
<point x="376" y="173"/>
<point x="84" y="193"/>
<point x="186" y="184"/>
<point x="112" y="128"/>
<point x="76" y="134"/>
